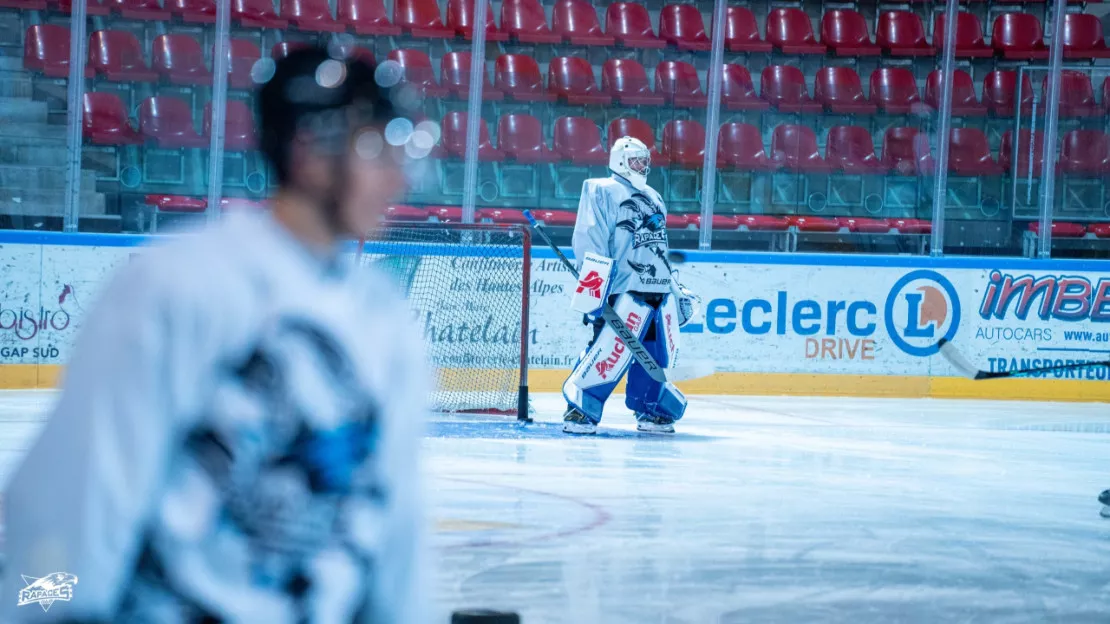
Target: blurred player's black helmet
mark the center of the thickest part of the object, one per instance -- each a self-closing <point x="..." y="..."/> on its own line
<point x="325" y="93"/>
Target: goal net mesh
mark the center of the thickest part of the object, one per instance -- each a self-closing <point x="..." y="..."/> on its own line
<point x="468" y="288"/>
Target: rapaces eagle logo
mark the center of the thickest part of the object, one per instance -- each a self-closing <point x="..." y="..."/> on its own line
<point x="47" y="590"/>
<point x="647" y="224"/>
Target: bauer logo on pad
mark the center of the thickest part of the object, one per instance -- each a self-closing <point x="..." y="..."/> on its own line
<point x="593" y="283"/>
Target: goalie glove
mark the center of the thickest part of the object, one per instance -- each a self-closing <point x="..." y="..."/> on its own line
<point x="689" y="304"/>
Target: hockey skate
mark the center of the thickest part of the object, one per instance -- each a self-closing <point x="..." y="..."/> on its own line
<point x="1104" y="498"/>
<point x="575" y="421"/>
<point x="654" y="424"/>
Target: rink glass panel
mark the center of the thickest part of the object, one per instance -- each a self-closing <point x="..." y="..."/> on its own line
<point x="811" y="182"/>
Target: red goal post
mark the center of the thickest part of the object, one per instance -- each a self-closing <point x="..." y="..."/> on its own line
<point x="468" y="285"/>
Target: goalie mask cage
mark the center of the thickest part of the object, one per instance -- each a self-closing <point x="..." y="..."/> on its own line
<point x="468" y="287"/>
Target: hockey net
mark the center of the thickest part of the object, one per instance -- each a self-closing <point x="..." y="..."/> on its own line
<point x="468" y="287"/>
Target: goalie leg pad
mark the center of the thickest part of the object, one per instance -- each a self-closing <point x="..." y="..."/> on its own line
<point x="646" y="395"/>
<point x="605" y="361"/>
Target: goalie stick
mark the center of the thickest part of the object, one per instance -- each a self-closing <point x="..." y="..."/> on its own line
<point x="962" y="364"/>
<point x="653" y="369"/>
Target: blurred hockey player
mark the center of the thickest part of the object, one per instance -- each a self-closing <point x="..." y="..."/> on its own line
<point x="238" y="435"/>
<point x="1104" y="498"/>
<point x="620" y="245"/>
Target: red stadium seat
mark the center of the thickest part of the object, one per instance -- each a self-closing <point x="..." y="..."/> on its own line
<point x="969" y="153"/>
<point x="894" y="89"/>
<point x="719" y="221"/>
<point x="844" y="31"/>
<point x="571" y="78"/>
<point x="518" y="77"/>
<point x="418" y="70"/>
<point x="679" y="84"/>
<point x="460" y="19"/>
<point x="684" y="143"/>
<point x="366" y="17"/>
<point x="1018" y="36"/>
<point x="257" y="14"/>
<point x="446" y="214"/>
<point x="168" y="122"/>
<point x="500" y="215"/>
<point x="678" y="221"/>
<point x="46" y="50"/>
<point x="105" y="122"/>
<point x="243" y="55"/>
<point x="912" y="226"/>
<point x="639" y="129"/>
<point x="626" y="81"/>
<point x="454" y="68"/>
<point x="738" y="91"/>
<point x="790" y="31"/>
<point x="812" y="223"/>
<point x="238" y="126"/>
<point x="139" y="9"/>
<point x="406" y="213"/>
<point x="576" y="22"/>
<point x="742" y="33"/>
<point x="969" y="36"/>
<point x="24" y="5"/>
<point x="681" y="25"/>
<point x="1085" y="153"/>
<point x="420" y="18"/>
<point x="839" y="89"/>
<point x="1083" y="37"/>
<point x="906" y="152"/>
<point x="1000" y="92"/>
<point x="1027" y="154"/>
<point x="454" y="139"/>
<point x="795" y="148"/>
<point x="784" y="86"/>
<point x="1077" y="95"/>
<point x="116" y="55"/>
<point x="1100" y="230"/>
<point x="964" y="101"/>
<point x="578" y="140"/>
<point x="177" y="203"/>
<point x="1106" y="93"/>
<point x="1061" y="229"/>
<point x="180" y="60"/>
<point x="556" y="218"/>
<point x="311" y="15"/>
<point x="849" y="149"/>
<point x="864" y="225"/>
<point x="740" y="146"/>
<point x="630" y="24"/>
<point x="524" y="20"/>
<point x="194" y="11"/>
<point x="763" y="223"/>
<point x="901" y="33"/>
<point x="521" y="138"/>
<point x="283" y="49"/>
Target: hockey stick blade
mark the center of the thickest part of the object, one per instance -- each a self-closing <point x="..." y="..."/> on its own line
<point x="961" y="363"/>
<point x="686" y="372"/>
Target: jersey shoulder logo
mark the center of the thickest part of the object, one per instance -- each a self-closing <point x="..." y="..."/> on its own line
<point x="46" y="590"/>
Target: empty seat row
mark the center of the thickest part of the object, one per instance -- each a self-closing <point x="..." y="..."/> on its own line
<point x="165" y="122"/>
<point x="1063" y="229"/>
<point x="117" y="55"/>
<point x="1082" y="153"/>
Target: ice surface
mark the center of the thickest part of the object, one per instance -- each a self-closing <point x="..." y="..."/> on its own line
<point x="766" y="510"/>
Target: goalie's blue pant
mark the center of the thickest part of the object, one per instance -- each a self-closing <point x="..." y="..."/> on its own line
<point x="653" y="318"/>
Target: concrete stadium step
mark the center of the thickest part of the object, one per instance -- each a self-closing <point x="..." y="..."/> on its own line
<point x="16" y="85"/>
<point x="49" y="133"/>
<point x="32" y="177"/>
<point x="22" y="110"/>
<point x="46" y="203"/>
<point x="18" y="151"/>
<point x="11" y="64"/>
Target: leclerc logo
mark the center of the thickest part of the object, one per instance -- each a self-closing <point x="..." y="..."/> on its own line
<point x="922" y="308"/>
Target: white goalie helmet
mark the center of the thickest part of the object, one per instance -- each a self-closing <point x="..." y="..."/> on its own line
<point x="631" y="160"/>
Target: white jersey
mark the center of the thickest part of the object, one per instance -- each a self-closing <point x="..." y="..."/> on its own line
<point x="237" y="441"/>
<point x="618" y="221"/>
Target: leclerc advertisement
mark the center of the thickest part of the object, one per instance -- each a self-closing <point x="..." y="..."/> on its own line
<point x="771" y="323"/>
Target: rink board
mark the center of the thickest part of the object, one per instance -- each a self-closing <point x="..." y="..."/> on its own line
<point x="773" y="324"/>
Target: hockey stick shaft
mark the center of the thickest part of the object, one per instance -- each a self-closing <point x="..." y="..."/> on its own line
<point x="949" y="351"/>
<point x="658" y="373"/>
